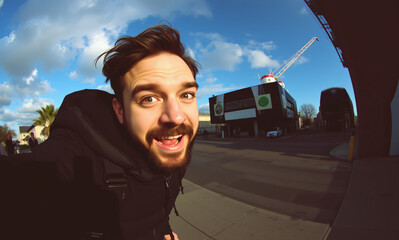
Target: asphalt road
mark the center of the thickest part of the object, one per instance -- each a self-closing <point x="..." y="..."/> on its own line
<point x="293" y="175"/>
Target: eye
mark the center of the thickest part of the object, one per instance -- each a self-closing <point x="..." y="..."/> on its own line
<point x="149" y="100"/>
<point x="188" y="95"/>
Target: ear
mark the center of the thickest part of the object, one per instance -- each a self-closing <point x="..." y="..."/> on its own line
<point x="118" y="110"/>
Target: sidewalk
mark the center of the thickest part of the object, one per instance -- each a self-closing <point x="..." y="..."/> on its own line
<point x="370" y="210"/>
<point x="208" y="215"/>
<point x="341" y="151"/>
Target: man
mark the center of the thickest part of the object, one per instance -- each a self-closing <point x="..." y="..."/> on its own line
<point x="10" y="145"/>
<point x="112" y="166"/>
<point x="32" y="141"/>
<point x="2" y="149"/>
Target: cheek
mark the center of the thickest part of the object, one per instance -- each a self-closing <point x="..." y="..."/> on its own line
<point x="140" y="123"/>
<point x="193" y="115"/>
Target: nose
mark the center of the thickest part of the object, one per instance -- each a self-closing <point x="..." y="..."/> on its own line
<point x="172" y="113"/>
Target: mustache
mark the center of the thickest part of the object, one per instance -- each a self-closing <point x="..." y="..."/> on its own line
<point x="165" y="131"/>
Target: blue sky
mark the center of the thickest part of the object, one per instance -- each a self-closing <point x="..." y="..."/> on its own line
<point x="47" y="47"/>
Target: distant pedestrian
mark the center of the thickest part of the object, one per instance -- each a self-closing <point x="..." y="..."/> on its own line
<point x="32" y="141"/>
<point x="10" y="145"/>
<point x="2" y="150"/>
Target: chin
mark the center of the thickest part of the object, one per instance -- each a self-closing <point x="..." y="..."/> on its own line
<point x="172" y="162"/>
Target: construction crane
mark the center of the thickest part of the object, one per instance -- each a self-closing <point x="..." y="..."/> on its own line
<point x="273" y="76"/>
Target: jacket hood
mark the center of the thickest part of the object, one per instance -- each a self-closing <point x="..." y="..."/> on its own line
<point x="90" y="115"/>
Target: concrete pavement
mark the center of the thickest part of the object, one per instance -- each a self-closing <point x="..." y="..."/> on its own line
<point x="370" y="210"/>
<point x="208" y="215"/>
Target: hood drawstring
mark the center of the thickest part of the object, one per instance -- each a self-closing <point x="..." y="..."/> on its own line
<point x="168" y="193"/>
<point x="176" y="212"/>
<point x="172" y="237"/>
<point x="181" y="182"/>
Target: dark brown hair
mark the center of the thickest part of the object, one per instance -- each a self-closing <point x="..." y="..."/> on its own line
<point x="128" y="51"/>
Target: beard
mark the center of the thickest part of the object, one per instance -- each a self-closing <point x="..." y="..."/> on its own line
<point x="163" y="168"/>
<point x="153" y="158"/>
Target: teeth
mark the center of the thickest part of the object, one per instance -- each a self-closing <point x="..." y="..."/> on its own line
<point x="171" y="137"/>
<point x="176" y="143"/>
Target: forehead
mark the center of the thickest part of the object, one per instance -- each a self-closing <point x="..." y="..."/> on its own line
<point x="161" y="69"/>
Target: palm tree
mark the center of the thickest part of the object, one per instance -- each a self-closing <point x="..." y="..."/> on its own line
<point x="46" y="118"/>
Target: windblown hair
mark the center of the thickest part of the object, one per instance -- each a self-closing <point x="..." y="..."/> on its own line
<point x="128" y="51"/>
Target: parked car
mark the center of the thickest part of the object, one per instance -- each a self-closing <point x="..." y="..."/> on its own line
<point x="275" y="132"/>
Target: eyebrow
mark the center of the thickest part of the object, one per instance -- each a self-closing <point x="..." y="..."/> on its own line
<point x="153" y="87"/>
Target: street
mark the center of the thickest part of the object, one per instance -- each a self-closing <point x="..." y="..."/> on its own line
<point x="292" y="175"/>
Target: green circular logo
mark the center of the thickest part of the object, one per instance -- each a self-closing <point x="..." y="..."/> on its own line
<point x="219" y="108"/>
<point x="263" y="101"/>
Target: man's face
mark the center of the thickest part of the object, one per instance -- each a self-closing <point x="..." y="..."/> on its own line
<point x="160" y="108"/>
<point x="9" y="136"/>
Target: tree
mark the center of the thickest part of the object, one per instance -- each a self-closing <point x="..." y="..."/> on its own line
<point x="4" y="130"/>
<point x="46" y="118"/>
<point x="308" y="112"/>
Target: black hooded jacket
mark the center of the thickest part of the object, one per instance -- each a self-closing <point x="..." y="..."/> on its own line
<point x="89" y="180"/>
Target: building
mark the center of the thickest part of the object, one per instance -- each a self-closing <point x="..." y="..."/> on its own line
<point x="253" y="111"/>
<point x="24" y="134"/>
<point x="365" y="36"/>
<point x="336" y="109"/>
<point x="205" y="125"/>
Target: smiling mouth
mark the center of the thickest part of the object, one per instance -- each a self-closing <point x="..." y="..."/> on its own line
<point x="169" y="140"/>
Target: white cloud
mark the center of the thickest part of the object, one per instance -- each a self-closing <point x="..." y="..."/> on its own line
<point x="218" y="54"/>
<point x="86" y="60"/>
<point x="267" y="46"/>
<point x="190" y="52"/>
<point x="31" y="85"/>
<point x="303" y="11"/>
<point x="1" y="3"/>
<point x="24" y="115"/>
<point x="255" y="53"/>
<point x="6" y="115"/>
<point x="211" y="80"/>
<point x="31" y="78"/>
<point x="204" y="107"/>
<point x="10" y="38"/>
<point x="6" y="94"/>
<point x="301" y="60"/>
<point x="106" y="88"/>
<point x="212" y="89"/>
<point x="258" y="59"/>
<point x="31" y="105"/>
<point x="73" y="75"/>
<point x="215" y="53"/>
